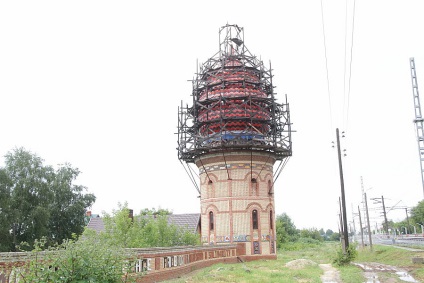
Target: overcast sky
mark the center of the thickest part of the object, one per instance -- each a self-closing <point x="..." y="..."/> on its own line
<point x="98" y="83"/>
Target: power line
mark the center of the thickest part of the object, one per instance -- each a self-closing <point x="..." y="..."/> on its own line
<point x="326" y="67"/>
<point x="344" y="66"/>
<point x="350" y="64"/>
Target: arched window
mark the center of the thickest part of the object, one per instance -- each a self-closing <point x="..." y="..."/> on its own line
<point x="210" y="192"/>
<point x="255" y="219"/>
<point x="270" y="219"/>
<point x="211" y="221"/>
<point x="254" y="186"/>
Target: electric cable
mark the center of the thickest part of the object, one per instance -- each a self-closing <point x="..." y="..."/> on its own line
<point x="350" y="64"/>
<point x="326" y="67"/>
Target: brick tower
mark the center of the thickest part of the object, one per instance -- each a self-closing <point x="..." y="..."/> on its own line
<point x="235" y="132"/>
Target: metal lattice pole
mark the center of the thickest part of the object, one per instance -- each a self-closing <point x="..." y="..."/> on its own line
<point x="418" y="121"/>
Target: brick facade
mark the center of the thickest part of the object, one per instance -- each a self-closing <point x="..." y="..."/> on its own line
<point x="237" y="201"/>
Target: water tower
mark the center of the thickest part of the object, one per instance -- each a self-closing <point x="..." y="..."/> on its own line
<point x="234" y="132"/>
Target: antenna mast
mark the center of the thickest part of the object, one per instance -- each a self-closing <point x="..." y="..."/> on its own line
<point x="418" y="121"/>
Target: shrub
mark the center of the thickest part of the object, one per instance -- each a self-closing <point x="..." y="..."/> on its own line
<point x="345" y="258"/>
<point x="87" y="259"/>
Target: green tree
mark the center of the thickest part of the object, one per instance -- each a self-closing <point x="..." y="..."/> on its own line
<point x="285" y="229"/>
<point x="68" y="204"/>
<point x="6" y="239"/>
<point x="29" y="195"/>
<point x="39" y="201"/>
<point x="153" y="211"/>
<point x="148" y="229"/>
<point x="335" y="237"/>
<point x="417" y="213"/>
<point x="312" y="233"/>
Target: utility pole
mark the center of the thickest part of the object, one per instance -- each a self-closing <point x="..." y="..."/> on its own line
<point x="368" y="221"/>
<point x="362" y="228"/>
<point x="345" y="232"/>
<point x="386" y="224"/>
<point x="418" y="121"/>
<point x="407" y="217"/>
<point x="385" y="216"/>
<point x="341" y="227"/>
<point x="353" y="220"/>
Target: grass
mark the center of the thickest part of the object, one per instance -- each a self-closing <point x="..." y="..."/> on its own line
<point x="267" y="270"/>
<point x="389" y="255"/>
<point x="275" y="270"/>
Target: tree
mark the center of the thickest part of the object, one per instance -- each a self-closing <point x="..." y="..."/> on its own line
<point x="417" y="213"/>
<point x="312" y="233"/>
<point x="39" y="201"/>
<point x="5" y="221"/>
<point x="285" y="229"/>
<point x="68" y="203"/>
<point x="335" y="237"/>
<point x="153" y="211"/>
<point x="148" y="229"/>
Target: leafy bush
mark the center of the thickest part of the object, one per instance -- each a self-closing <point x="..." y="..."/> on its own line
<point x="87" y="259"/>
<point x="345" y="258"/>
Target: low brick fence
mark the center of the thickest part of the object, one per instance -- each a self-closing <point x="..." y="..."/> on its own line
<point x="156" y="264"/>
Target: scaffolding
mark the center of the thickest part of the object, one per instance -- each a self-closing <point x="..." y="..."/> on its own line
<point x="234" y="107"/>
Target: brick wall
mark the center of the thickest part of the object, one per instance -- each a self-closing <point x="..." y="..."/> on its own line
<point x="232" y="189"/>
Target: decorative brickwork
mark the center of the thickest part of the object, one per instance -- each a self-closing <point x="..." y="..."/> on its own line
<point x="237" y="190"/>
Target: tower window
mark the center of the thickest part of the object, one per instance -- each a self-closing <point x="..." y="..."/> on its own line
<point x="255" y="219"/>
<point x="210" y="192"/>
<point x="270" y="220"/>
<point x="211" y="221"/>
<point x="254" y="187"/>
<point x="270" y="187"/>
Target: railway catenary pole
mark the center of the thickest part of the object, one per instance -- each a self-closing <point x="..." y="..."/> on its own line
<point x="385" y="216"/>
<point x="418" y="121"/>
<point x="362" y="228"/>
<point x="368" y="221"/>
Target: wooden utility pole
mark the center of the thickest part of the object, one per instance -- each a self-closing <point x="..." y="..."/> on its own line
<point x="345" y="232"/>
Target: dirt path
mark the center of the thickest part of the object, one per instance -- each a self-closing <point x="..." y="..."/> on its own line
<point x="331" y="275"/>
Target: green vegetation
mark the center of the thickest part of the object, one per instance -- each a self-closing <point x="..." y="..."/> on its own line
<point x="345" y="258"/>
<point x="287" y="233"/>
<point x="393" y="256"/>
<point x="103" y="257"/>
<point x="39" y="201"/>
<point x="320" y="253"/>
<point x="87" y="259"/>
<point x="148" y="229"/>
<point x="271" y="270"/>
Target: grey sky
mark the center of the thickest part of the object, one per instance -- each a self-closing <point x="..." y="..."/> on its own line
<point x="98" y="83"/>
